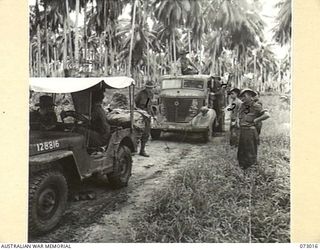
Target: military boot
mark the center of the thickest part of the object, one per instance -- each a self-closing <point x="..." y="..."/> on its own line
<point x="142" y="150"/>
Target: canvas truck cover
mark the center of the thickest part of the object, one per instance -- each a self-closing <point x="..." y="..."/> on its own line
<point x="70" y="85"/>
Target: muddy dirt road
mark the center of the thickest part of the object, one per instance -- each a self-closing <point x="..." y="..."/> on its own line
<point x="107" y="217"/>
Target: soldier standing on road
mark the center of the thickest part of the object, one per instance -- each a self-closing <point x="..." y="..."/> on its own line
<point x="250" y="114"/>
<point x="143" y="101"/>
<point x="218" y="101"/>
<point x="234" y="107"/>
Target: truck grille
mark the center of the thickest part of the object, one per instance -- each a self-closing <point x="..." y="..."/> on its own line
<point x="181" y="109"/>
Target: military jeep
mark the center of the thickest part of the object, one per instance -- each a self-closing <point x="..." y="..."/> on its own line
<point x="58" y="156"/>
<point x="181" y="100"/>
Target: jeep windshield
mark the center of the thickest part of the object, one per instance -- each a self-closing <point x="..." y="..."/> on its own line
<point x="171" y="84"/>
<point x="193" y="84"/>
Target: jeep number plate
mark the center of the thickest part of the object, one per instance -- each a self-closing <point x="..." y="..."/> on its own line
<point x="47" y="145"/>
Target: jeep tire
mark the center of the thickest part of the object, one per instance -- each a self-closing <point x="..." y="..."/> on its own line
<point x="122" y="170"/>
<point x="48" y="192"/>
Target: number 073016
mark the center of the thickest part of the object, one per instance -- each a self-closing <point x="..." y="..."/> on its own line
<point x="310" y="245"/>
<point x="47" y="145"/>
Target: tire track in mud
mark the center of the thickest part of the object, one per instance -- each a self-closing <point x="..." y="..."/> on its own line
<point x="83" y="219"/>
<point x="116" y="225"/>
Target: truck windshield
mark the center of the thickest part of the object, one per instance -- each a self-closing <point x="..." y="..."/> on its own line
<point x="171" y="84"/>
<point x="193" y="84"/>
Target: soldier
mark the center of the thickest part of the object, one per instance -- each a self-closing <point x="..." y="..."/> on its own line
<point x="187" y="66"/>
<point x="234" y="108"/>
<point x="143" y="101"/>
<point x="218" y="101"/>
<point x="98" y="130"/>
<point x="250" y="114"/>
<point x="44" y="118"/>
<point x="101" y="128"/>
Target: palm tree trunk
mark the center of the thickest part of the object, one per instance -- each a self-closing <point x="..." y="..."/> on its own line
<point x="39" y="50"/>
<point x="200" y="59"/>
<point x="174" y="50"/>
<point x="213" y="59"/>
<point x="262" y="80"/>
<point x="65" y="44"/>
<point x="245" y="62"/>
<point x="69" y="31"/>
<point x="132" y="36"/>
<point x="103" y="57"/>
<point x="189" y="41"/>
<point x="155" y="71"/>
<point x="148" y="61"/>
<point x="254" y="68"/>
<point x="54" y="55"/>
<point x="170" y="53"/>
<point x="47" y="37"/>
<point x="76" y="38"/>
<point x="111" y="50"/>
<point x="30" y="60"/>
<point x="85" y="31"/>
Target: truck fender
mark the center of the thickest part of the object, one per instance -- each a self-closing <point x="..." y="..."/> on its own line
<point x="204" y="120"/>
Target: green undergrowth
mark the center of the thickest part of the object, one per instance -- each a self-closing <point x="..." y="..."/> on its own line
<point x="213" y="200"/>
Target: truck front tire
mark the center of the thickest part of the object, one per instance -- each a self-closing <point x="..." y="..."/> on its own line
<point x="48" y="192"/>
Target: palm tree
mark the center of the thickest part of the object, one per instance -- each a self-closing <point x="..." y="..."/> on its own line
<point x="236" y="27"/>
<point x="282" y="31"/>
<point x="198" y="25"/>
<point x="102" y="21"/>
<point x="263" y="62"/>
<point x="172" y="13"/>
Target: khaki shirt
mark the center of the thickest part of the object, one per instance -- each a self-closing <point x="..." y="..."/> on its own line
<point x="249" y="112"/>
<point x="234" y="107"/>
<point x="99" y="120"/>
<point x="143" y="100"/>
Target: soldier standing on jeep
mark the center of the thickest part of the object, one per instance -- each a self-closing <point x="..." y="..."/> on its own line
<point x="44" y="118"/>
<point x="143" y="101"/>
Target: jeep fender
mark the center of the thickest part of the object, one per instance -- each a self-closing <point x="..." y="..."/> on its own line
<point x="40" y="162"/>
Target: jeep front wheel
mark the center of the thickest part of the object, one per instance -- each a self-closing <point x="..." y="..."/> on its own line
<point x="122" y="169"/>
<point x="48" y="192"/>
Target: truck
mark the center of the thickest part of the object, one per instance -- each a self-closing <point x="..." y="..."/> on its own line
<point x="183" y="106"/>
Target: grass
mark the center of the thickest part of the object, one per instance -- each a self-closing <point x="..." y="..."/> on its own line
<point x="213" y="200"/>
